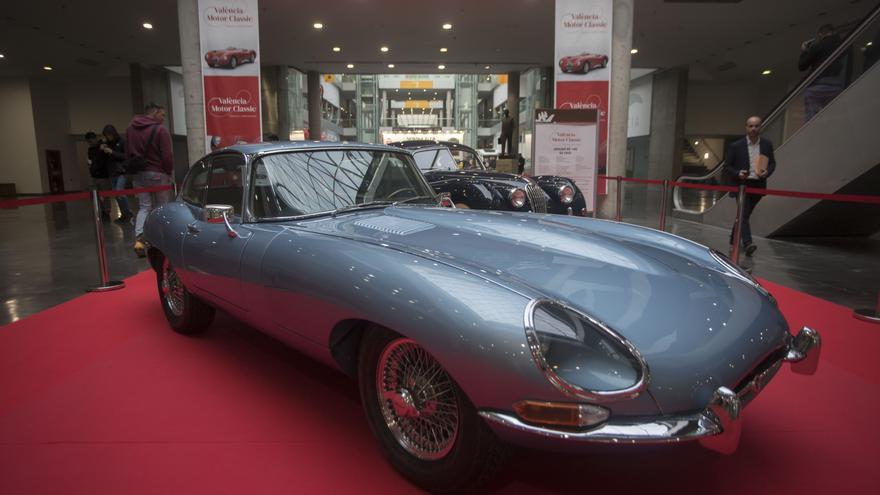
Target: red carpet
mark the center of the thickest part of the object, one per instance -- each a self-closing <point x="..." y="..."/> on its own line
<point x="99" y="396"/>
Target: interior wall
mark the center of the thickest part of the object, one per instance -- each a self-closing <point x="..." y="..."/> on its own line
<point x="19" y="163"/>
<point x="96" y="101"/>
<point x="721" y="108"/>
<point x="51" y="119"/>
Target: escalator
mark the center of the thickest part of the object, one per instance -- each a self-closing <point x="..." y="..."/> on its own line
<point x="837" y="151"/>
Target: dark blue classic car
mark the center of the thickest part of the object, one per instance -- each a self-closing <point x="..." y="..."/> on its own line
<point x="469" y="330"/>
<point x="472" y="185"/>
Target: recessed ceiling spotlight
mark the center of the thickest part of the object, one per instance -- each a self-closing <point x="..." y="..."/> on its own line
<point x="47" y="67"/>
<point x="350" y="66"/>
<point x="869" y="43"/>
<point x="447" y="26"/>
<point x="318" y="25"/>
<point x="766" y="72"/>
<point x="696" y="143"/>
<point x="337" y="49"/>
<point x="2" y="56"/>
<point x="384" y="49"/>
<point x="147" y="25"/>
<point x="634" y="51"/>
<point x="390" y="66"/>
<point x="487" y="67"/>
<point x="444" y="50"/>
<point x="441" y="66"/>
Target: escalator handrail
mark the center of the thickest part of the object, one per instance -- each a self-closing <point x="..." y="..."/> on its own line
<point x="783" y="103"/>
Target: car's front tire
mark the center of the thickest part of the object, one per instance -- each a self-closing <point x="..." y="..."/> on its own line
<point x="426" y="427"/>
<point x="233" y="63"/>
<point x="586" y="68"/>
<point x="187" y="314"/>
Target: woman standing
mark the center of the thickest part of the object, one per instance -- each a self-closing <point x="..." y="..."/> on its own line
<point x="114" y="147"/>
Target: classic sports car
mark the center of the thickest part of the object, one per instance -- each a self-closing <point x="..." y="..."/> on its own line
<point x="585" y="62"/>
<point x="471" y="185"/>
<point x="469" y="330"/>
<point x="230" y="57"/>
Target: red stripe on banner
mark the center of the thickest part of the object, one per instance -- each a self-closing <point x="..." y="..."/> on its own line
<point x="132" y="192"/>
<point x="58" y="198"/>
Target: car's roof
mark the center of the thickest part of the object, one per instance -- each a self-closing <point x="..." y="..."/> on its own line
<point x="422" y="143"/>
<point x="274" y="146"/>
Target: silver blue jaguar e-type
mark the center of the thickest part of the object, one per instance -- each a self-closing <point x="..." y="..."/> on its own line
<point x="469" y="330"/>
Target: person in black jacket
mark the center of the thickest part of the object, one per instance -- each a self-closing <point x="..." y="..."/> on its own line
<point x="114" y="154"/>
<point x="98" y="170"/>
<point x="830" y="83"/>
<point x="743" y="164"/>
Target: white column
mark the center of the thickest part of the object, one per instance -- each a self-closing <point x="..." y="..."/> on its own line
<point x="191" y="60"/>
<point x="618" y="111"/>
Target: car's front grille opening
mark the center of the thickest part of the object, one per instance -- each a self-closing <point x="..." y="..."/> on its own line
<point x="537" y="200"/>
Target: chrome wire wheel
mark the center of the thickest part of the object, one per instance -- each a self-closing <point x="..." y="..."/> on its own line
<point x="417" y="399"/>
<point x="172" y="289"/>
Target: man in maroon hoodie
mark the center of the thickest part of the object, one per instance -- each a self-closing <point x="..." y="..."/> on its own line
<point x="160" y="164"/>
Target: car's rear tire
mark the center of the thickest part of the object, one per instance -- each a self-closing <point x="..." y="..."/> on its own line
<point x="233" y="62"/>
<point x="185" y="313"/>
<point x="604" y="62"/>
<point x="426" y="427"/>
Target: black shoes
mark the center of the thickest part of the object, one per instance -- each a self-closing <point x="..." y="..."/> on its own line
<point x="750" y="250"/>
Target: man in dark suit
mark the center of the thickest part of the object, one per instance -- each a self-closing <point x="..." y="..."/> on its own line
<point x="743" y="164"/>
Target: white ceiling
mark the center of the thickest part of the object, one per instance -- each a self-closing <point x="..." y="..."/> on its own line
<point x="101" y="37"/>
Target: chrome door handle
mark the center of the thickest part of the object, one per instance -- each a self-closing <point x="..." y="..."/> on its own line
<point x="192" y="229"/>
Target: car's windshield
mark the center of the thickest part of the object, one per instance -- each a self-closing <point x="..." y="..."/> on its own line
<point x="435" y="159"/>
<point x="467" y="160"/>
<point x="307" y="182"/>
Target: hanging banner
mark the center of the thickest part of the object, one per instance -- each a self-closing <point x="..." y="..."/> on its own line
<point x="566" y="143"/>
<point x="583" y="63"/>
<point x="230" y="44"/>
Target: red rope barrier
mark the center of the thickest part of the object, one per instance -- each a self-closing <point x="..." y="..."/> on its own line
<point x="56" y="198"/>
<point x="849" y="198"/>
<point x="132" y="192"/>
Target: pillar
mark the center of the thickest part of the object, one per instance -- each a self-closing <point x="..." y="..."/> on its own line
<point x="618" y="111"/>
<point x="513" y="107"/>
<point x="191" y="61"/>
<point x="314" y="91"/>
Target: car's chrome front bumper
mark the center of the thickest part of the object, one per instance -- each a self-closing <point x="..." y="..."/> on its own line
<point x="717" y="427"/>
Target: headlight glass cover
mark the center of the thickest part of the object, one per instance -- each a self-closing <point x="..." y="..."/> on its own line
<point x="566" y="194"/>
<point x="517" y="198"/>
<point x="581" y="356"/>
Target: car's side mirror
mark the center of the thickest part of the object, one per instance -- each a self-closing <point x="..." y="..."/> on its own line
<point x="446" y="200"/>
<point x="221" y="214"/>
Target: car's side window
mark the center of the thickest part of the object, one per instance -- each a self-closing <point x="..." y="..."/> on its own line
<point x="194" y="186"/>
<point x="425" y="159"/>
<point x="225" y="185"/>
<point x="445" y="161"/>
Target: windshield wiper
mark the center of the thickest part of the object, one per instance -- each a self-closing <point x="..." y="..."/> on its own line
<point x="361" y="206"/>
<point x="414" y="198"/>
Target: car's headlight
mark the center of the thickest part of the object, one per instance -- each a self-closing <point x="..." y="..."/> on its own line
<point x="517" y="198"/>
<point x="581" y="356"/>
<point x="566" y="194"/>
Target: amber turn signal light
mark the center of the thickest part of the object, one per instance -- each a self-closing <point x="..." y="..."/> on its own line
<point x="564" y="414"/>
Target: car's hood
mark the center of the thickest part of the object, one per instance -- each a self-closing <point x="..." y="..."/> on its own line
<point x="484" y="176"/>
<point x="697" y="326"/>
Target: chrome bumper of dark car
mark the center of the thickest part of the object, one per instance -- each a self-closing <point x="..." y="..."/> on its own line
<point x="717" y="427"/>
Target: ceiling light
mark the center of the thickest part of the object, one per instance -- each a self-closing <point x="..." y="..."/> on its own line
<point x="634" y="51"/>
<point x="447" y="26"/>
<point x="47" y="67"/>
<point x="337" y="49"/>
<point x="383" y="49"/>
<point x="350" y="66"/>
<point x="318" y="25"/>
<point x="441" y="66"/>
<point x="147" y="25"/>
<point x="2" y="56"/>
<point x="706" y="155"/>
<point x="444" y="50"/>
<point x="696" y="143"/>
<point x="390" y="66"/>
<point x="766" y="72"/>
<point x="486" y="67"/>
<point x="870" y="43"/>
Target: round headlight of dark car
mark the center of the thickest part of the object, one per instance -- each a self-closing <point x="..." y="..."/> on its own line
<point x="517" y="198"/>
<point x="566" y="194"/>
<point x="581" y="356"/>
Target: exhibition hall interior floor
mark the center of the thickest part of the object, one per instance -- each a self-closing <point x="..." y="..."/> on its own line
<point x="99" y="396"/>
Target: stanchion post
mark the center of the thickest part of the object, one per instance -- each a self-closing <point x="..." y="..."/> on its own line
<point x="619" y="194"/>
<point x="663" y="198"/>
<point x="869" y="315"/>
<point x="106" y="285"/>
<point x="737" y="226"/>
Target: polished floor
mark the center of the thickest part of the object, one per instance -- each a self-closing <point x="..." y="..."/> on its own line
<point x="48" y="256"/>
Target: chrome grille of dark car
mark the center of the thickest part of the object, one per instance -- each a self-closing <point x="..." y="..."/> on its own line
<point x="537" y="200"/>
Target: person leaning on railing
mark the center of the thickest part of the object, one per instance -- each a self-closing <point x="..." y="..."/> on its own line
<point x="749" y="161"/>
